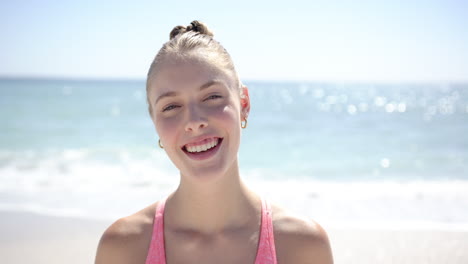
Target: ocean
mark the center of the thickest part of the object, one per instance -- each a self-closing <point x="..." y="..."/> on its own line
<point x="346" y="154"/>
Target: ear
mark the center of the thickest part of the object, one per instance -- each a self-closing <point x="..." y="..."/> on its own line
<point x="245" y="102"/>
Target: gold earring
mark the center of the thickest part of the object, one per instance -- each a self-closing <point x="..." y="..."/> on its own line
<point x="244" y="123"/>
<point x="160" y="145"/>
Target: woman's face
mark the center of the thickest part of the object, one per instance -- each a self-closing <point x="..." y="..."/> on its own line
<point x="197" y="110"/>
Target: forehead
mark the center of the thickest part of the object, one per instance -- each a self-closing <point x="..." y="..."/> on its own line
<point x="180" y="73"/>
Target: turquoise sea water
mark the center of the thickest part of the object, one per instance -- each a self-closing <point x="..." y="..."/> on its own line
<point x="336" y="151"/>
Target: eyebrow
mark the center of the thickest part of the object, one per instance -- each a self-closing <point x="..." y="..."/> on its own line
<point x="203" y="87"/>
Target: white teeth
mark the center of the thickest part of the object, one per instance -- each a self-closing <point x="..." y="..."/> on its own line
<point x="210" y="144"/>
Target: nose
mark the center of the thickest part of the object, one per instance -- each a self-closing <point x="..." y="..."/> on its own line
<point x="195" y="120"/>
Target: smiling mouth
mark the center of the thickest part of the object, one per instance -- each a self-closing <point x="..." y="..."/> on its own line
<point x="204" y="147"/>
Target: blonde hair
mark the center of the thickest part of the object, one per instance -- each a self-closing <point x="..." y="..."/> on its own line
<point x="183" y="40"/>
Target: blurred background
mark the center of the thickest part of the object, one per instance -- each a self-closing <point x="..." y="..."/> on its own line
<point x="359" y="109"/>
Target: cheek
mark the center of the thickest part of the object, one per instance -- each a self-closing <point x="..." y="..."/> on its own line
<point x="228" y="114"/>
<point x="167" y="128"/>
<point x="230" y="117"/>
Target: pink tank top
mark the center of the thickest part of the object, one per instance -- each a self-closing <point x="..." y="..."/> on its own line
<point x="266" y="252"/>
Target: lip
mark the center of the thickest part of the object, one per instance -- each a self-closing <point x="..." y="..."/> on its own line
<point x="199" y="141"/>
<point x="204" y="155"/>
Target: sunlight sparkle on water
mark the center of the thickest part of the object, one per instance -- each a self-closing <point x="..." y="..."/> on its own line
<point x="390" y="108"/>
<point x="352" y="109"/>
<point x="380" y="101"/>
<point x="401" y="107"/>
<point x="385" y="163"/>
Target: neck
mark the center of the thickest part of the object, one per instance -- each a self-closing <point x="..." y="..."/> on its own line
<point x="212" y="207"/>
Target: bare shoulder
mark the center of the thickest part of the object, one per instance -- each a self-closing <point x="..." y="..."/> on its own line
<point x="127" y="239"/>
<point x="299" y="240"/>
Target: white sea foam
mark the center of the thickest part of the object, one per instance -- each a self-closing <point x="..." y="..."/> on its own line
<point x="388" y="204"/>
<point x="75" y="183"/>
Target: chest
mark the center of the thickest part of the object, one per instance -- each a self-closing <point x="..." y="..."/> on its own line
<point x="233" y="247"/>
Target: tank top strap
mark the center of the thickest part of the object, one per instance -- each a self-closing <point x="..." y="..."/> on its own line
<point x="156" y="252"/>
<point x="266" y="253"/>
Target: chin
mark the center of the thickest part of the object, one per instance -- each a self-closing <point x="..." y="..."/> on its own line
<point x="204" y="175"/>
<point x="207" y="174"/>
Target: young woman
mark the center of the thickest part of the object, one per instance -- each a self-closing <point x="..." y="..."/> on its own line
<point x="199" y="107"/>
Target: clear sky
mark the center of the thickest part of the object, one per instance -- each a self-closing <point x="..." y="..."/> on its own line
<point x="269" y="40"/>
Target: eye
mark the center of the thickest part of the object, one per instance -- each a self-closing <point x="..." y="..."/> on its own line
<point x="212" y="97"/>
<point x="169" y="107"/>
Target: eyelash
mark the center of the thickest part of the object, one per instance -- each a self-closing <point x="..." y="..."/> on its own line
<point x="169" y="107"/>
<point x="211" y="97"/>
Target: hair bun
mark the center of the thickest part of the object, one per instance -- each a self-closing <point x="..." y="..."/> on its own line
<point x="176" y="31"/>
<point x="195" y="26"/>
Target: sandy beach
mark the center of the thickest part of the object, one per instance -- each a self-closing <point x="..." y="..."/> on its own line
<point x="399" y="246"/>
<point x="31" y="238"/>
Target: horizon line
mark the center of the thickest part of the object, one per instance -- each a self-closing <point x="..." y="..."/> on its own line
<point x="247" y="80"/>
